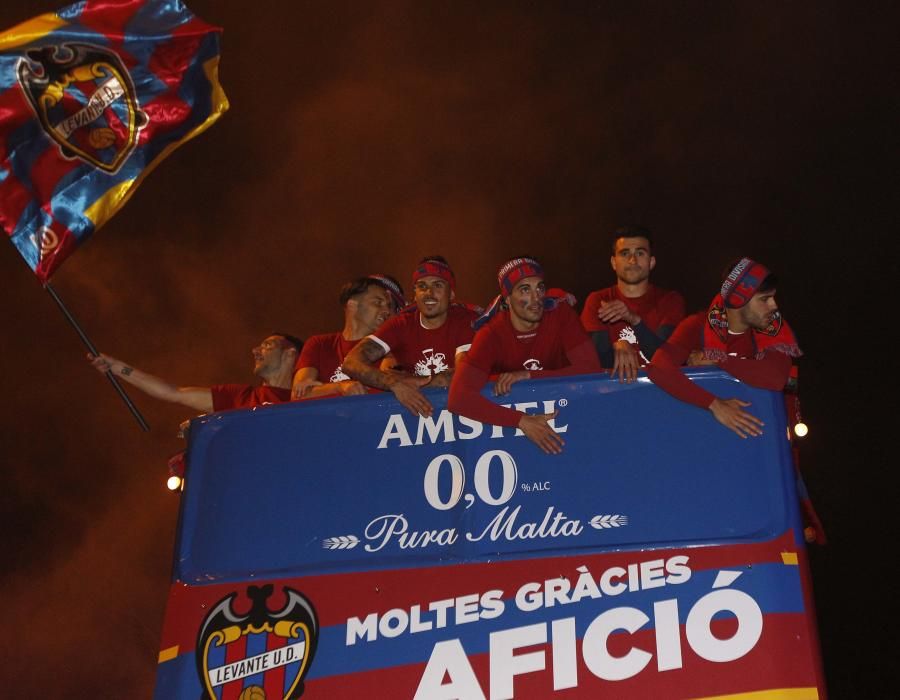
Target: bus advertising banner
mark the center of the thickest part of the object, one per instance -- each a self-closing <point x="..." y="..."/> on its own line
<point x="346" y="548"/>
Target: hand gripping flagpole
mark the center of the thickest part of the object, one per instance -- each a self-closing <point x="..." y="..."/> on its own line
<point x="90" y="346"/>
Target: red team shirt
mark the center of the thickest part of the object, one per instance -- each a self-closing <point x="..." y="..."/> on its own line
<point x="558" y="347"/>
<point x="227" y="396"/>
<point x="423" y="350"/>
<point x="657" y="308"/>
<point x="326" y="354"/>
<point x="498" y="347"/>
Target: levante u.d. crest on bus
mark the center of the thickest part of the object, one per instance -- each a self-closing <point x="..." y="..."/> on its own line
<point x="85" y="100"/>
<point x="261" y="654"/>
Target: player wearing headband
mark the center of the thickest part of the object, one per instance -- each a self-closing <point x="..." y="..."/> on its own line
<point x="743" y="333"/>
<point x="422" y="342"/>
<point x="368" y="302"/>
<point x="527" y="334"/>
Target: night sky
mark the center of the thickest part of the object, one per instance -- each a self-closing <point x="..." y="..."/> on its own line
<point x="364" y="135"/>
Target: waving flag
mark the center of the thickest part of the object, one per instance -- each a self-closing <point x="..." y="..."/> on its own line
<point x="92" y="98"/>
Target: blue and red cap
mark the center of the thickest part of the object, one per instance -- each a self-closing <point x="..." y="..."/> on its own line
<point x="515" y="270"/>
<point x="742" y="282"/>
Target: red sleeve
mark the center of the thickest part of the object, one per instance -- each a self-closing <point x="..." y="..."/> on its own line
<point x="770" y="372"/>
<point x="390" y="332"/>
<point x="226" y="396"/>
<point x="589" y="319"/>
<point x="665" y="369"/>
<point x="465" y="398"/>
<point x="310" y="354"/>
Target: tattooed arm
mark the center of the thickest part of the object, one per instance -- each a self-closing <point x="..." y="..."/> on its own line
<point x="196" y="397"/>
<point x="360" y="364"/>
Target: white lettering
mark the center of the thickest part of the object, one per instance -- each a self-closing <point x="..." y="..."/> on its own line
<point x="505" y="665"/>
<point x="448" y="659"/>
<point x="395" y="430"/>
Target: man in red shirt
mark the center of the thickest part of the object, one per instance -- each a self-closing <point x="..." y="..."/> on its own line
<point x="273" y="363"/>
<point x="423" y="341"/>
<point x="743" y="333"/>
<point x="531" y="336"/>
<point x="631" y="319"/>
<point x="368" y="302"/>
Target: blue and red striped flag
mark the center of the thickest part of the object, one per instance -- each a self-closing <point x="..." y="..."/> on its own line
<point x="92" y="98"/>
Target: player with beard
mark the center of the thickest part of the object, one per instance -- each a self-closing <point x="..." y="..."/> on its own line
<point x="368" y="302"/>
<point x="422" y="343"/>
<point x="273" y="363"/>
<point x="631" y="319"/>
<point x="743" y="333"/>
<point x="528" y="335"/>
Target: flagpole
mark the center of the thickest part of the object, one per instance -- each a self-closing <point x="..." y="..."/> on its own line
<point x="90" y="346"/>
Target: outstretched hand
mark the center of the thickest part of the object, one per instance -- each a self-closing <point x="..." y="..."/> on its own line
<point x="731" y="414"/>
<point x="406" y="389"/>
<point x="538" y="429"/>
<point x="104" y="363"/>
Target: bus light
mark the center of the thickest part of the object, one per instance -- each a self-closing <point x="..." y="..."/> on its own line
<point x="173" y="482"/>
<point x="800" y="429"/>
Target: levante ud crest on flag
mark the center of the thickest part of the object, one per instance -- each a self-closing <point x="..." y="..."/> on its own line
<point x="262" y="654"/>
<point x="85" y="100"/>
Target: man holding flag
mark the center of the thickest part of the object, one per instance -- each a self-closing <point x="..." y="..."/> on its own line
<point x="92" y="98"/>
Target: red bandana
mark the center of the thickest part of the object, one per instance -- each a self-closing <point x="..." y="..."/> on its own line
<point x="435" y="268"/>
<point x="515" y="270"/>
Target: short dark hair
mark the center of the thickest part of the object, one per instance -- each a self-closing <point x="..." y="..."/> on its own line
<point x="292" y="340"/>
<point x="354" y="288"/>
<point x="438" y="258"/>
<point x="630" y="232"/>
<point x="361" y="285"/>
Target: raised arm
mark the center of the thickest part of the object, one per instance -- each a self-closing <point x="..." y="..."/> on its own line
<point x="198" y="398"/>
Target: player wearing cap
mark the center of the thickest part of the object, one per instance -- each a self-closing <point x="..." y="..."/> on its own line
<point x="743" y="333"/>
<point x="528" y="334"/>
<point x="422" y="342"/>
<point x="368" y="302"/>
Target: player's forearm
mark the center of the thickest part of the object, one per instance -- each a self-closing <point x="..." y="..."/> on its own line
<point x="360" y="365"/>
<point x="149" y="384"/>
<point x="466" y="400"/>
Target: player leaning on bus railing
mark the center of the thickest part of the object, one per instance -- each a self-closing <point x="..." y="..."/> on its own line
<point x="528" y="334"/>
<point x="743" y="333"/>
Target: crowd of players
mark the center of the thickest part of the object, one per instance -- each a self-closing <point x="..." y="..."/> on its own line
<point x="529" y="331"/>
